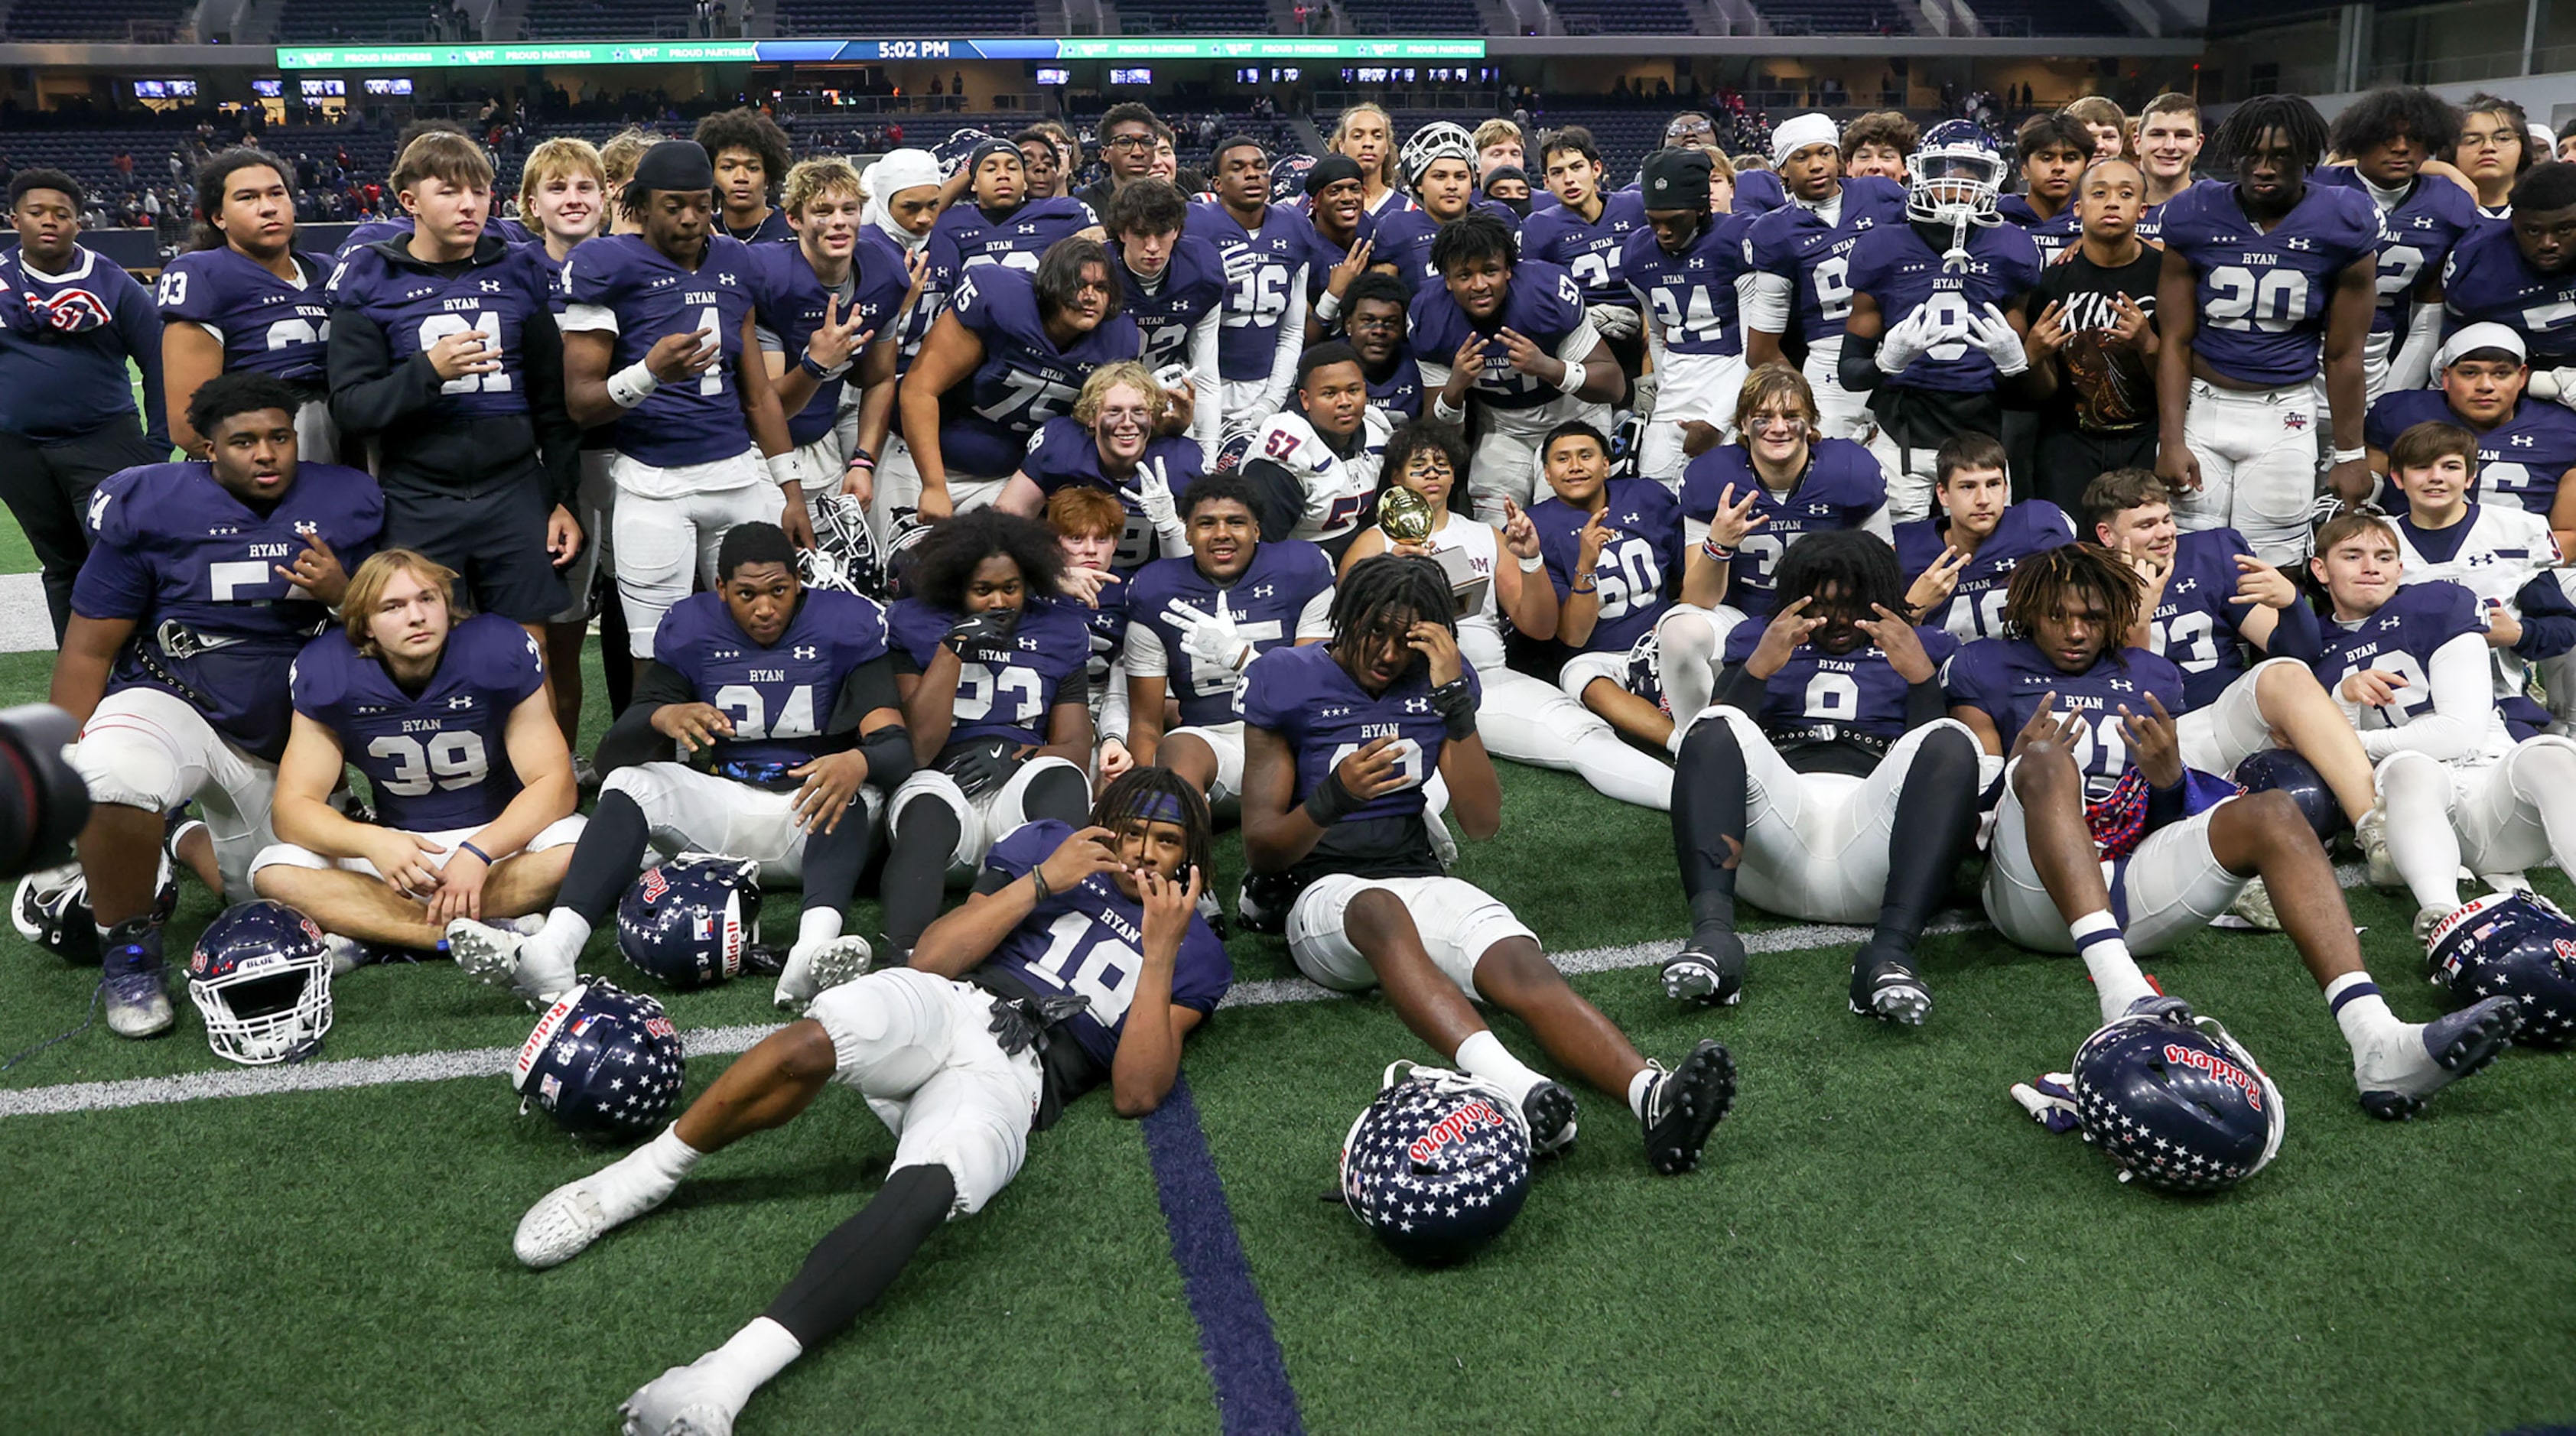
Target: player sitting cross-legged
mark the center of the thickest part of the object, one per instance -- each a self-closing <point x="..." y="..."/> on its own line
<point x="1079" y="961"/>
<point x="1339" y="740"/>
<point x="782" y="699"/>
<point x="2099" y="817"/>
<point x="448" y="719"/>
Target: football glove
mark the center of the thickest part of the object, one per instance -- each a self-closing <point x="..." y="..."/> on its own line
<point x="1910" y="339"/>
<point x="1211" y="637"/>
<point x="985" y="766"/>
<point x="2050" y="1101"/>
<point x="1614" y="321"/>
<point x="1154" y="500"/>
<point x="990" y="626"/>
<point x="1993" y="334"/>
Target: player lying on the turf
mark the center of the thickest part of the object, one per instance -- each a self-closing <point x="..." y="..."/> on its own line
<point x="1198" y="621"/>
<point x="781" y="700"/>
<point x="1079" y="960"/>
<point x="1827" y="779"/>
<point x="2095" y="775"/>
<point x="990" y="662"/>
<point x="1339" y="740"/>
<point x="2460" y="789"/>
<point x="203" y="580"/>
<point x="450" y="722"/>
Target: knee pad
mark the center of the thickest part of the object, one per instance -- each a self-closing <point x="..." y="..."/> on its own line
<point x="875" y="1025"/>
<point x="638" y="784"/>
<point x="127" y="766"/>
<point x="1712" y="740"/>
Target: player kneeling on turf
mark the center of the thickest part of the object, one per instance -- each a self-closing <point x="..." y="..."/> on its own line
<point x="782" y="700"/>
<point x="1080" y="959"/>
<point x="1339" y="740"/>
<point x="2095" y="794"/>
<point x="1827" y="743"/>
<point x="448" y="719"/>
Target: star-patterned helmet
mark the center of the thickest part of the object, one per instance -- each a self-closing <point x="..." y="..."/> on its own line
<point x="691" y="921"/>
<point x="2516" y="945"/>
<point x="2180" y="1106"/>
<point x="844" y="555"/>
<point x="602" y="1062"/>
<point x="1438" y="1165"/>
<point x="1288" y="178"/>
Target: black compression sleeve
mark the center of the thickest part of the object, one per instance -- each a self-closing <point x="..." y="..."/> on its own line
<point x="1739" y="690"/>
<point x="1857" y="366"/>
<point x="869" y="687"/>
<point x="889" y="754"/>
<point x="1279" y="499"/>
<point x="853" y="1265"/>
<point x="1925" y="702"/>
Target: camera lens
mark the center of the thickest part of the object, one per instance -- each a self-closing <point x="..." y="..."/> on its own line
<point x="43" y="803"/>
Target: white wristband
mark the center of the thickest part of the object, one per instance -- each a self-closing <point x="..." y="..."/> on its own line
<point x="787" y="468"/>
<point x="1531" y="565"/>
<point x="1573" y="379"/>
<point x="1446" y="412"/>
<point x="632" y="385"/>
<point x="1328" y="308"/>
<point x="2347" y="456"/>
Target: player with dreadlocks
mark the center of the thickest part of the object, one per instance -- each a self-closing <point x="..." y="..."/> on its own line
<point x="2267" y="294"/>
<point x="1827" y="740"/>
<point x="1340" y="741"/>
<point x="2094" y="784"/>
<point x="1079" y="960"/>
<point x="2388" y="134"/>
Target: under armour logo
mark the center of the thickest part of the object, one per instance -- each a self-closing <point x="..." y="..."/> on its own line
<point x="2390" y="621"/>
<point x="1696" y="261"/>
<point x="1029" y="645"/>
<point x="491" y="286"/>
<point x="2123" y="685"/>
<point x="461" y="701"/>
<point x="1262" y="592"/>
<point x="1028" y="229"/>
<point x="2524" y="441"/>
<point x="2187" y="585"/>
<point x="2423" y="221"/>
<point x="1417" y="705"/>
<point x="1864" y="222"/>
<point x="2298" y="241"/>
<point x="727" y="279"/>
<point x="806" y="650"/>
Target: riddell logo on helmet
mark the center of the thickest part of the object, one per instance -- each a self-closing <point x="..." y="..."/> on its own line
<point x="2218" y="1067"/>
<point x="2465" y="913"/>
<point x="1451" y="1128"/>
<point x="660" y="1027"/>
<point x="655" y="884"/>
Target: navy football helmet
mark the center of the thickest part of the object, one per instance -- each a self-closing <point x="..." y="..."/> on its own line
<point x="603" y="1062"/>
<point x="2516" y="945"/>
<point x="2287" y="771"/>
<point x="953" y="152"/>
<point x="1438" y="1165"/>
<point x="2179" y="1104"/>
<point x="1954" y="177"/>
<point x="1288" y="178"/>
<point x="690" y="922"/>
<point x="261" y="975"/>
<point x="844" y="555"/>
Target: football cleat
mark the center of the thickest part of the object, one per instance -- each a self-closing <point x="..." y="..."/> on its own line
<point x="138" y="1000"/>
<point x="1885" y="986"/>
<point x="2371" y="835"/>
<point x="2254" y="905"/>
<point x="2426" y="920"/>
<point x="1685" y="1104"/>
<point x="686" y="1400"/>
<point x="565" y="1221"/>
<point x="824" y="965"/>
<point x="51" y="910"/>
<point x="1710" y="970"/>
<point x="1549" y="1110"/>
<point x="585" y="775"/>
<point x="490" y="954"/>
<point x="2395" y="1081"/>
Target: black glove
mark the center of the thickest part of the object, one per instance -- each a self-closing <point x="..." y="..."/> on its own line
<point x="990" y="626"/>
<point x="983" y="767"/>
<point x="1021" y="1023"/>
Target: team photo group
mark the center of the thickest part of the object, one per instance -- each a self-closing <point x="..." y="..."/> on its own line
<point x="2103" y="523"/>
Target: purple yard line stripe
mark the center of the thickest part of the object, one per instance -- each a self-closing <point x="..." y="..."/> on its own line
<point x="1235" y="1339"/>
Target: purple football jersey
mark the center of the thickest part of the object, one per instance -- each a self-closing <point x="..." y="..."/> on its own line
<point x="1006" y="687"/>
<point x="2263" y="296"/>
<point x="1975" y="607"/>
<point x="2486" y="280"/>
<point x="1265" y="602"/>
<point x="1400" y="392"/>
<point x="1817" y="697"/>
<point x="1893" y="265"/>
<point x="2006" y="678"/>
<point x="1023" y="380"/>
<point x="1638" y="570"/>
<point x="792" y="306"/>
<point x="416" y="307"/>
<point x="2520" y="461"/>
<point x="437" y="760"/>
<point x="2049" y="235"/>
<point x="688" y="421"/>
<point x="779" y="697"/>
<point x="1063" y="455"/>
<point x="1690" y="297"/>
<point x="267" y="325"/>
<point x="2401" y="638"/>
<point x="968" y="236"/>
<point x="2415" y="240"/>
<point x="1796" y="243"/>
<point x="913" y="323"/>
<point x="1842" y="487"/>
<point x="1193" y="285"/>
<point x="1542" y="302"/>
<point x="1403" y="240"/>
<point x="1306" y="697"/>
<point x="1260" y="267"/>
<point x="2194" y="626"/>
<point x="196" y="569"/>
<point x="1593" y="251"/>
<point x="373" y="231"/>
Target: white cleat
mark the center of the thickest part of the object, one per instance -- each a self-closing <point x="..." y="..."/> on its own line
<point x="2371" y="834"/>
<point x="2254" y="905"/>
<point x="683" y="1401"/>
<point x="492" y="954"/>
<point x="825" y="965"/>
<point x="2427" y="919"/>
<point x="565" y="1221"/>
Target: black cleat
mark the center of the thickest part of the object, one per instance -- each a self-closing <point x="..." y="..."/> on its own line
<point x="1685" y="1105"/>
<point x="1710" y="969"/>
<point x="1549" y="1109"/>
<point x="1884" y="985"/>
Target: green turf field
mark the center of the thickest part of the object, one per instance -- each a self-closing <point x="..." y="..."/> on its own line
<point x="1878" y="1240"/>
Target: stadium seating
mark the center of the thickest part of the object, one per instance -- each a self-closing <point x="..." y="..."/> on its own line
<point x="1194" y="17"/>
<point x="1420" y="17"/>
<point x="308" y="21"/>
<point x="86" y="156"/>
<point x="1624" y="17"/>
<point x="98" y="19"/>
<point x="1834" y="17"/>
<point x="595" y="20"/>
<point x="2048" y="17"/>
<point x="894" y="17"/>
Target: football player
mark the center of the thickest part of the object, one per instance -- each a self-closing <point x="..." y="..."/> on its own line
<point x="445" y="359"/>
<point x="2095" y="793"/>
<point x="1080" y="961"/>
<point x="375" y="231"/>
<point x="827" y="331"/>
<point x="1176" y="288"/>
<point x="1522" y="718"/>
<point x="1367" y="136"/>
<point x="1439" y="162"/>
<point x="1742" y="505"/>
<point x="1042" y="161"/>
<point x="448" y="720"/>
<point x="659" y="339"/>
<point x="1315" y="464"/>
<point x="1337" y="211"/>
<point x="780" y="701"/>
<point x="2091" y="341"/>
<point x="2526" y="447"/>
<point x="1588" y="233"/>
<point x="749" y="152"/>
<point x="2054" y="150"/>
<point x="2388" y="134"/>
<point x="70" y="323"/>
<point x="2168" y="146"/>
<point x="2463" y="784"/>
<point x="1001" y="224"/>
<point x="2494" y="152"/>
<point x="1838" y="683"/>
<point x="241" y="297"/>
<point x="904" y="198"/>
<point x="1088" y="524"/>
<point x="1113" y="441"/>
<point x="1011" y="350"/>
<point x="1378" y="326"/>
<point x="1201" y="618"/>
<point x="1801" y="255"/>
<point x="1339" y="741"/>
<point x="1507" y="341"/>
<point x="203" y="580"/>
<point x="1878" y="143"/>
<point x="1957" y="562"/>
<point x="2102" y="119"/>
<point x="991" y="666"/>
<point x="1127" y="133"/>
<point x="1266" y="249"/>
<point x="2268" y="289"/>
<point x="1685" y="269"/>
<point x="1613" y="550"/>
<point x="2522" y="274"/>
<point x="1936" y="325"/>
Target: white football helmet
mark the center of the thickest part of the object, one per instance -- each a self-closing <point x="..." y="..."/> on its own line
<point x="1439" y="140"/>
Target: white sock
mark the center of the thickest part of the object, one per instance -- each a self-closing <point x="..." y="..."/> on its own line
<point x="2360" y="1011"/>
<point x="756" y="1353"/>
<point x="559" y="942"/>
<point x="1483" y="1055"/>
<point x="817" y="926"/>
<point x="1638" y="1087"/>
<point x="639" y="1181"/>
<point x="2105" y="950"/>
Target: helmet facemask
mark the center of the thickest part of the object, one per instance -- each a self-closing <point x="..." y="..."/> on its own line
<point x="1954" y="185"/>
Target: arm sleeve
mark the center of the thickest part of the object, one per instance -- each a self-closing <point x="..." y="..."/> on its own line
<point x="1925" y="702"/>
<point x="1315" y="620"/>
<point x="2548" y="619"/>
<point x="1857" y="364"/>
<point x="1737" y="688"/>
<point x="2412" y="367"/>
<point x="138" y="322"/>
<point x="632" y="739"/>
<point x="1579" y="342"/>
<point x="2296" y="634"/>
<point x="1278" y="498"/>
<point x="869" y="687"/>
<point x="370" y="389"/>
<point x="1880" y="524"/>
<point x="1207" y="418"/>
<point x="1762" y="298"/>
<point x="1142" y="656"/>
<point x="2463" y="704"/>
<point x="1292" y="342"/>
<point x="1654" y="331"/>
<point x="1113" y="703"/>
<point x="558" y="437"/>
